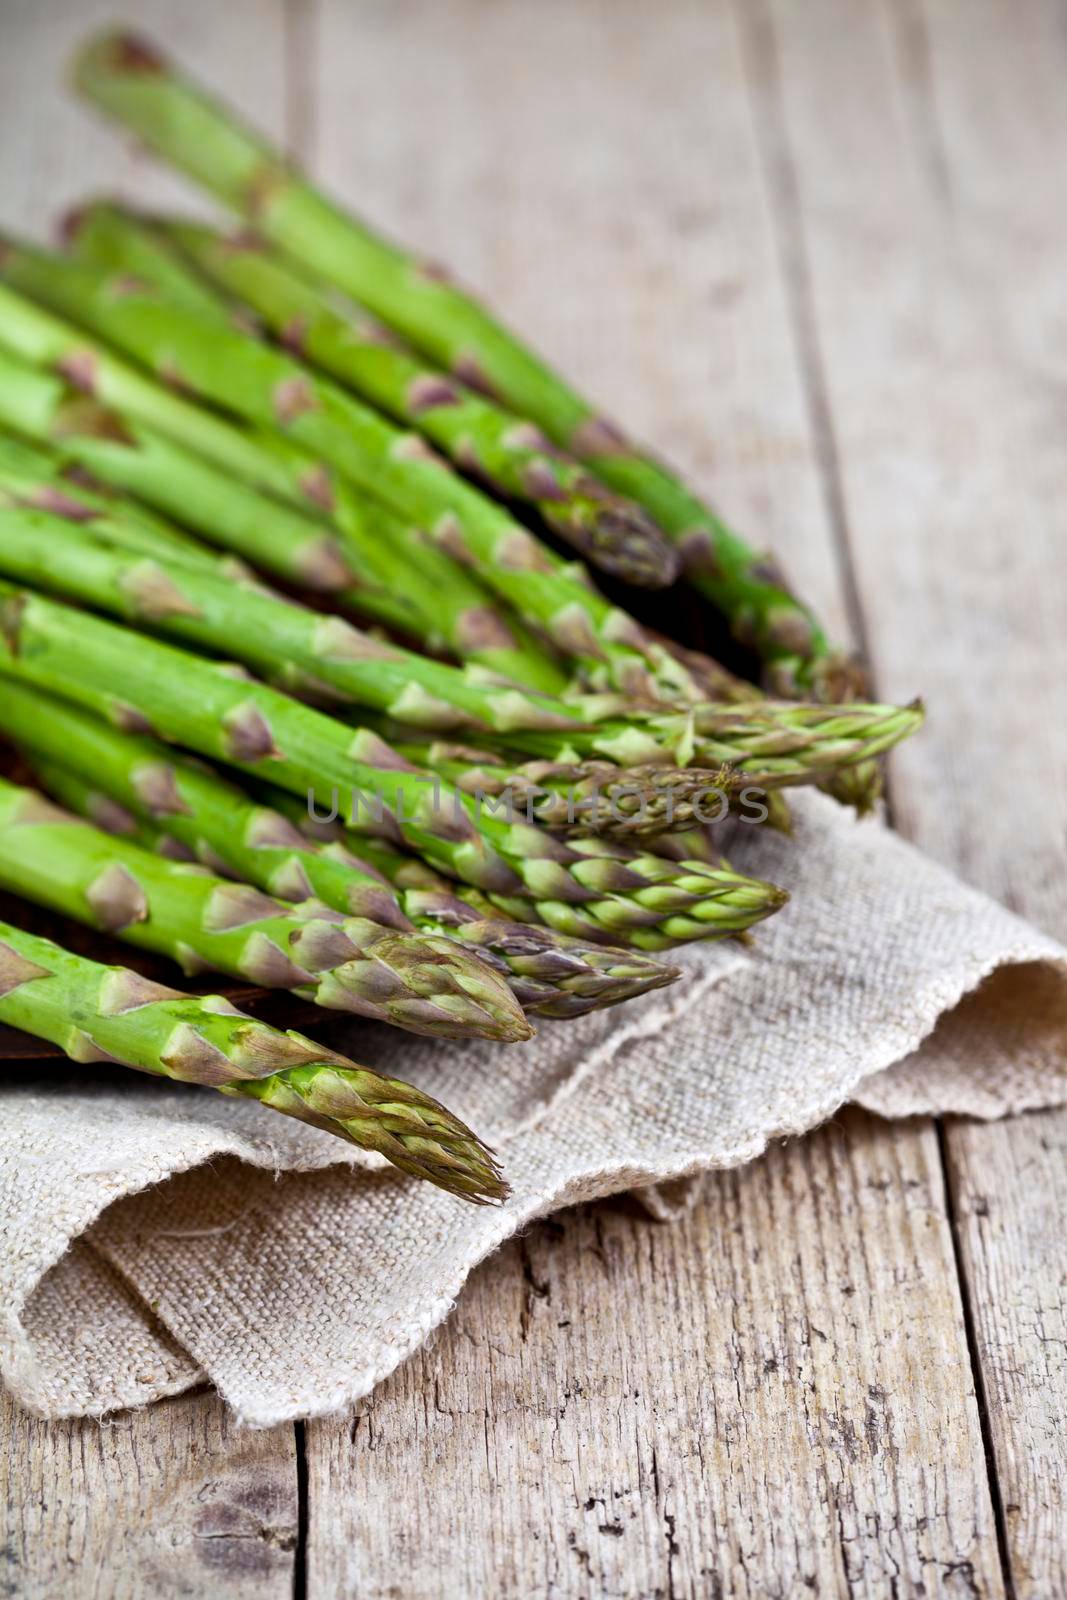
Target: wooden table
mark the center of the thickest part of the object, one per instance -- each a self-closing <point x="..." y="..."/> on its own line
<point x="816" y="249"/>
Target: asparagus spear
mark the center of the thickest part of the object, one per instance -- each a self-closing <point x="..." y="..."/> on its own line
<point x="407" y="872"/>
<point x="134" y="82"/>
<point x="450" y="608"/>
<point x="206" y="923"/>
<point x="774" y="745"/>
<point x="179" y="482"/>
<point x="43" y="340"/>
<point x="404" y="570"/>
<point x="184" y="809"/>
<point x="109" y="236"/>
<point x="413" y="878"/>
<point x="307" y="649"/>
<point x="38" y="480"/>
<point x="142" y="683"/>
<point x="858" y="785"/>
<point x="218" y="825"/>
<point x="99" y="1013"/>
<point x="549" y="974"/>
<point x="83" y="798"/>
<point x="702" y="886"/>
<point x="471" y="628"/>
<point x="270" y="389"/>
<point x="107" y="226"/>
<point x="31" y="480"/>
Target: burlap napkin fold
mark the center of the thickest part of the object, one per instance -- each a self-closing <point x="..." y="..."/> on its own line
<point x="153" y="1234"/>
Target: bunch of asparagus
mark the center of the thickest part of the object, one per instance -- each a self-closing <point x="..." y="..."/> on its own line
<point x="280" y="632"/>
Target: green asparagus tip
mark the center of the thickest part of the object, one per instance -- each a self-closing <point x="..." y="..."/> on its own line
<point x="413" y="1131"/>
<point x="627" y="543"/>
<point x="447" y="992"/>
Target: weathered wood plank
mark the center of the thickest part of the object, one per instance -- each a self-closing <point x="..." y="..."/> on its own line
<point x="59" y="152"/>
<point x="756" y="1401"/>
<point x="1010" y="1206"/>
<point x="1003" y="120"/>
<point x="174" y="1500"/>
<point x="930" y="157"/>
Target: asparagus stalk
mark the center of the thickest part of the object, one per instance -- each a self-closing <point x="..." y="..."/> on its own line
<point x="99" y="1013"/>
<point x="38" y="480"/>
<point x="549" y="974"/>
<point x="206" y="923"/>
<point x="136" y="787"/>
<point x="181" y="484"/>
<point x="141" y="683"/>
<point x="645" y="805"/>
<point x="402" y="568"/>
<point x="308" y="650"/>
<point x="107" y="235"/>
<point x="509" y="454"/>
<point x="80" y="796"/>
<point x="450" y="609"/>
<point x="858" y="785"/>
<point x="226" y="832"/>
<point x="44" y="340"/>
<point x="133" y="81"/>
<point x="677" y="903"/>
<point x="33" y="481"/>
<point x="407" y="872"/>
<point x="270" y="389"/>
<point x="772" y="744"/>
<point x="312" y="653"/>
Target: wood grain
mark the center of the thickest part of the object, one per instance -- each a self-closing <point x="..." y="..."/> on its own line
<point x="757" y="1401"/>
<point x="929" y="147"/>
<point x="174" y="1500"/>
<point x="1011" y="1216"/>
